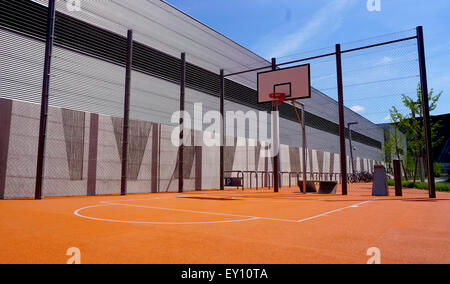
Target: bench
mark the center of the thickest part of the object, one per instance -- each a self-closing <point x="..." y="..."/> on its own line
<point x="325" y="187"/>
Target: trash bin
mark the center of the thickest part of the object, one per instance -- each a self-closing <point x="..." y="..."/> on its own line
<point x="380" y="186"/>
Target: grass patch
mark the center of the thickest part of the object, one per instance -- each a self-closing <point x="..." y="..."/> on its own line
<point x="421" y="185"/>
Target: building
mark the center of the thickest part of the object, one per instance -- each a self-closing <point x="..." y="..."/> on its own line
<point x="87" y="87"/>
<point x="442" y="152"/>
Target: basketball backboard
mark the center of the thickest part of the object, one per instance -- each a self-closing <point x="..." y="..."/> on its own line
<point x="294" y="82"/>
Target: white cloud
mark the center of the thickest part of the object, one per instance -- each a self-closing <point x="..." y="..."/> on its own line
<point x="385" y="60"/>
<point x="358" y="109"/>
<point x="325" y="21"/>
<point x="388" y="118"/>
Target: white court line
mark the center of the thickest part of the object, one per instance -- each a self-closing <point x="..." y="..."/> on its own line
<point x="199" y="212"/>
<point x="77" y="213"/>
<point x="245" y="218"/>
<point x="334" y="211"/>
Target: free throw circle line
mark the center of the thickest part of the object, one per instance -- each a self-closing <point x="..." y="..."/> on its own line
<point x="77" y="213"/>
<point x="201" y="212"/>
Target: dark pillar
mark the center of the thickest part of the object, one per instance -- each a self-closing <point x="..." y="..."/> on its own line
<point x="126" y="116"/>
<point x="341" y="119"/>
<point x="351" y="147"/>
<point x="426" y="112"/>
<point x="198" y="167"/>
<point x="5" y="126"/>
<point x="44" y="99"/>
<point x="182" y="108"/>
<point x="398" y="178"/>
<point x="93" y="154"/>
<point x="276" y="158"/>
<point x="222" y="130"/>
<point x="155" y="157"/>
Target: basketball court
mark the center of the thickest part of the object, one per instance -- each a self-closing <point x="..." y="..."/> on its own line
<point x="229" y="227"/>
<point x="276" y="225"/>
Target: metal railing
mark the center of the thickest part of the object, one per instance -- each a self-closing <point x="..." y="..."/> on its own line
<point x="265" y="178"/>
<point x="238" y="173"/>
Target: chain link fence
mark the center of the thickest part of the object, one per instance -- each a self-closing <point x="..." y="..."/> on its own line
<point x="382" y="97"/>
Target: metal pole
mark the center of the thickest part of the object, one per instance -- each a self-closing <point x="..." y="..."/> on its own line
<point x="426" y="111"/>
<point x="182" y="108"/>
<point x="276" y="160"/>
<point x="305" y="150"/>
<point x="341" y="119"/>
<point x="126" y="114"/>
<point x="222" y="130"/>
<point x="398" y="178"/>
<point x="419" y="154"/>
<point x="351" y="146"/>
<point x="44" y="99"/>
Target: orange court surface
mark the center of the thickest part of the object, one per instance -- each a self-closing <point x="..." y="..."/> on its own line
<point x="229" y="227"/>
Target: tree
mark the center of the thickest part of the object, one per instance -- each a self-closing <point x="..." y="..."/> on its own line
<point x="386" y="156"/>
<point x="412" y="125"/>
<point x="397" y="138"/>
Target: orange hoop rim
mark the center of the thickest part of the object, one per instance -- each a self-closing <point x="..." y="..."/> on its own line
<point x="278" y="96"/>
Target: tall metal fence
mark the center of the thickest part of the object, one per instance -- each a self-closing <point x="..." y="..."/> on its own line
<point x="363" y="90"/>
<point x="383" y="81"/>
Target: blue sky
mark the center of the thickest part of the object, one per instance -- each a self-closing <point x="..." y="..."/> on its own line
<point x="279" y="28"/>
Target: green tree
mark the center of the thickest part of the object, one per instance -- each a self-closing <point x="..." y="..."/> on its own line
<point x="397" y="138"/>
<point x="412" y="125"/>
<point x="387" y="154"/>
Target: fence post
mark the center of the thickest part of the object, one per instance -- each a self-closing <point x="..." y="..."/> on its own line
<point x="222" y="128"/>
<point x="341" y="119"/>
<point x="426" y="112"/>
<point x="276" y="158"/>
<point x="44" y="99"/>
<point x="398" y="178"/>
<point x="126" y="114"/>
<point x="182" y="108"/>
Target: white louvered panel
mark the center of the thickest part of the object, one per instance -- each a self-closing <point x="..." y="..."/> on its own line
<point x="21" y="67"/>
<point x="156" y="100"/>
<point x="87" y="84"/>
<point x="161" y="26"/>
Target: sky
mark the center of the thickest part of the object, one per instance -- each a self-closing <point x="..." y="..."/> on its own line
<point x="281" y="28"/>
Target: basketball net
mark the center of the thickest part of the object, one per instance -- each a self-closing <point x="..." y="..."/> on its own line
<point x="279" y="98"/>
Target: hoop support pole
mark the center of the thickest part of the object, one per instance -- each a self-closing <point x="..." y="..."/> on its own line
<point x="304" y="146"/>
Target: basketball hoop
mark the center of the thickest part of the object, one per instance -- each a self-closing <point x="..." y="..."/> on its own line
<point x="278" y="96"/>
<point x="282" y="85"/>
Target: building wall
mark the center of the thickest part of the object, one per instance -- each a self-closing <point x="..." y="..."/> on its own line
<point x="84" y="83"/>
<point x="88" y="84"/>
<point x="165" y="28"/>
<point x="83" y="156"/>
